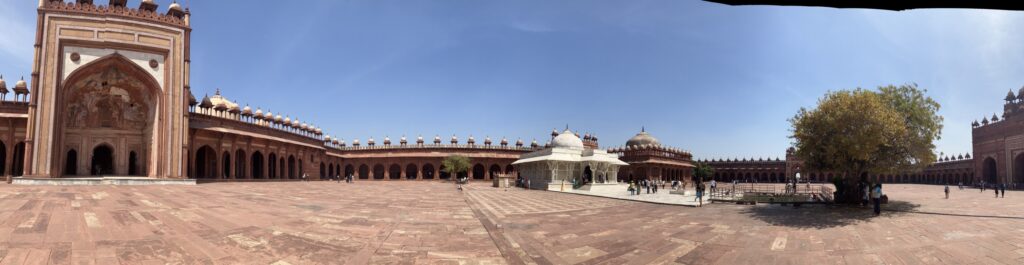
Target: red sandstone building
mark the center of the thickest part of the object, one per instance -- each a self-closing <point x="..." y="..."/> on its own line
<point x="109" y="94"/>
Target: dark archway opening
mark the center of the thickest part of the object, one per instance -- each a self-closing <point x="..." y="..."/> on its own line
<point x="71" y="163"/>
<point x="240" y="165"/>
<point x="1018" y="169"/>
<point x="428" y="171"/>
<point x="988" y="170"/>
<point x="395" y="171"/>
<point x="226" y="166"/>
<point x="18" y="165"/>
<point x="378" y="172"/>
<point x="102" y="160"/>
<point x="444" y="173"/>
<point x="478" y="171"/>
<point x="133" y="163"/>
<point x="257" y="165"/>
<point x="364" y="172"/>
<point x="410" y="172"/>
<point x="272" y="166"/>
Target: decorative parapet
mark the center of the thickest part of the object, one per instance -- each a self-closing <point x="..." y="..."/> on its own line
<point x="113" y="11"/>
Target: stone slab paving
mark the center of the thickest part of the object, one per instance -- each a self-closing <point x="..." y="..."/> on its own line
<point x="918" y="227"/>
<point x="420" y="222"/>
<point x="242" y="223"/>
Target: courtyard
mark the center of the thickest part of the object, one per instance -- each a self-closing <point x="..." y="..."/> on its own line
<point x="415" y="222"/>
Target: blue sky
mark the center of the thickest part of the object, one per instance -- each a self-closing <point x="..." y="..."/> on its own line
<point x="720" y="81"/>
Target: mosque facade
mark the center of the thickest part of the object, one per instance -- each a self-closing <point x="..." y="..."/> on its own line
<point x="109" y="94"/>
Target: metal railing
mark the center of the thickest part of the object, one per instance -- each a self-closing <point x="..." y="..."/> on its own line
<point x="772" y="193"/>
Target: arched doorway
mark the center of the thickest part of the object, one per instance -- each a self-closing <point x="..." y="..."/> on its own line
<point x="349" y="171"/>
<point x="71" y="163"/>
<point x="291" y="167"/>
<point x="18" y="166"/>
<point x="588" y="175"/>
<point x="3" y="158"/>
<point x="133" y="163"/>
<point x="410" y="172"/>
<point x="1018" y="169"/>
<point x="206" y="163"/>
<point x="257" y="165"/>
<point x="494" y="170"/>
<point x="395" y="171"/>
<point x="240" y="165"/>
<point x="102" y="160"/>
<point x="226" y="166"/>
<point x="988" y="170"/>
<point x="111" y="100"/>
<point x="478" y="171"/>
<point x="323" y="170"/>
<point x="444" y="173"/>
<point x="428" y="171"/>
<point x="272" y="166"/>
<point x="364" y="172"/>
<point x="378" y="171"/>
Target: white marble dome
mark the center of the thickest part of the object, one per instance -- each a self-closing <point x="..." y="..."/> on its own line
<point x="567" y="140"/>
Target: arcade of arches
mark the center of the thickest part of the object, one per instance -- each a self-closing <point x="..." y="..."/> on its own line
<point x="116" y="99"/>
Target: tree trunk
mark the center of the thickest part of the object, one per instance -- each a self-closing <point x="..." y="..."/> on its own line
<point x="850" y="189"/>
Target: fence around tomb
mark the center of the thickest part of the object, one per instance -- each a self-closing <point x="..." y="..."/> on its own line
<point x="772" y="193"/>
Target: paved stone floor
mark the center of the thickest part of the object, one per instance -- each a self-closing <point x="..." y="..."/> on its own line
<point x="432" y="223"/>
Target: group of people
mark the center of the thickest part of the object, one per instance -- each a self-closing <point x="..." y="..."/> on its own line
<point x="348" y="179"/>
<point x="1000" y="189"/>
<point x="872" y="194"/>
<point x="636" y="187"/>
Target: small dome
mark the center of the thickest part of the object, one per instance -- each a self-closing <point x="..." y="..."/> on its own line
<point x="21" y="87"/>
<point x="246" y="111"/>
<point x="387" y="140"/>
<point x="277" y="118"/>
<point x="419" y="139"/>
<point x="295" y="123"/>
<point x="1010" y="96"/>
<point x="403" y="141"/>
<point x="304" y="126"/>
<point x="567" y="140"/>
<point x="471" y="140"/>
<point x="437" y="139"/>
<point x="258" y="114"/>
<point x="327" y="138"/>
<point x="554" y="132"/>
<point x="355" y="142"/>
<point x="287" y="120"/>
<point x="370" y="141"/>
<point x="455" y="140"/>
<point x="504" y="141"/>
<point x="335" y="141"/>
<point x="642" y="138"/>
<point x="206" y="102"/>
<point x="191" y="98"/>
<point x="341" y="142"/>
<point x="487" y="140"/>
<point x="519" y="142"/>
<point x="174" y="6"/>
<point x="534" y="143"/>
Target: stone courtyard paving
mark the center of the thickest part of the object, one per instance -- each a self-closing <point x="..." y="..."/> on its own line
<point x="432" y="223"/>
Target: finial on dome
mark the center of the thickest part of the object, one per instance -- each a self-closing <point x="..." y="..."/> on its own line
<point x="642" y="129"/>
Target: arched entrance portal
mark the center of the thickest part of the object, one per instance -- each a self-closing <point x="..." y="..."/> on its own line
<point x="102" y="160"/>
<point x="206" y="163"/>
<point x="1018" y="169"/>
<point x="988" y="170"/>
<point x="114" y="101"/>
<point x="257" y="165"/>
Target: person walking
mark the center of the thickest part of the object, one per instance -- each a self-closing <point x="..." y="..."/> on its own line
<point x="655" y="188"/>
<point x="995" y="187"/>
<point x="867" y="193"/>
<point x="947" y="191"/>
<point x="1003" y="191"/>
<point x="700" y="194"/>
<point x="877" y="196"/>
<point x="714" y="185"/>
<point x="631" y="188"/>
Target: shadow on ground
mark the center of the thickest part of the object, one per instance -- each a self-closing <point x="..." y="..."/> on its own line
<point x="824" y="216"/>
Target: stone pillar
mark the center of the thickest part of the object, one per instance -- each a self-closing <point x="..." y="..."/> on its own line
<point x="419" y="172"/>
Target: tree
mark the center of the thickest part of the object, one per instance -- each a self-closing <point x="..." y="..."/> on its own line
<point x="455" y="164"/>
<point x="702" y="171"/>
<point x="859" y="132"/>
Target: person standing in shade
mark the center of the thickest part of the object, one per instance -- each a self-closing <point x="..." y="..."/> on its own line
<point x="1003" y="190"/>
<point x="995" y="187"/>
<point x="876" y="195"/>
<point x="947" y="191"/>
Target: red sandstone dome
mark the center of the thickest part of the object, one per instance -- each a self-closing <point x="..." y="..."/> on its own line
<point x="642" y="139"/>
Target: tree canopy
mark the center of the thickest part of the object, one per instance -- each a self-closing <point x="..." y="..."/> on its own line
<point x="702" y="171"/>
<point x="862" y="131"/>
<point x="455" y="164"/>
